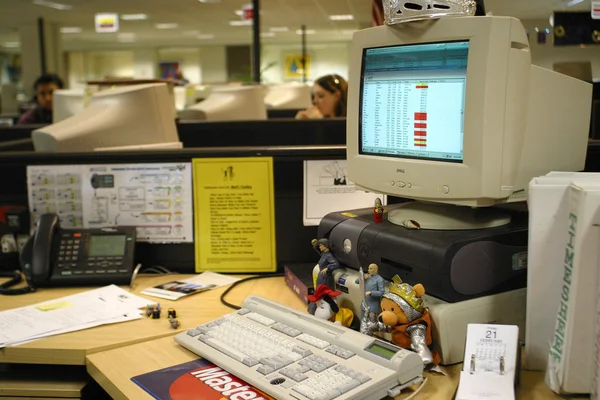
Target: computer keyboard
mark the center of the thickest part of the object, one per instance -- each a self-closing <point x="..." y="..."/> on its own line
<point x="289" y="354"/>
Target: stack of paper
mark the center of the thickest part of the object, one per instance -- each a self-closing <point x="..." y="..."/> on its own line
<point x="101" y="306"/>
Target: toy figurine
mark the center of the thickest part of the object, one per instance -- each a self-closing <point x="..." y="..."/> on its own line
<point x="152" y="308"/>
<point x="374" y="288"/>
<point x="171" y="313"/>
<point x="327" y="263"/>
<point x="174" y="323"/>
<point x="378" y="211"/>
<point x="155" y="313"/>
<point x="410" y="322"/>
<point x="323" y="305"/>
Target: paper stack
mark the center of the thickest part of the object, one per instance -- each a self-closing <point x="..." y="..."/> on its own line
<point x="101" y="306"/>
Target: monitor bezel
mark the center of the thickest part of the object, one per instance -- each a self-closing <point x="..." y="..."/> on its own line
<point x="480" y="176"/>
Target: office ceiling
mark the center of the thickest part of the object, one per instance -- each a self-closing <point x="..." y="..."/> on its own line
<point x="201" y="24"/>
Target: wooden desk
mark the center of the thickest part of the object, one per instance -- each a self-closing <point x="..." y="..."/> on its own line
<point x="42" y="382"/>
<point x="113" y="369"/>
<point x="72" y="348"/>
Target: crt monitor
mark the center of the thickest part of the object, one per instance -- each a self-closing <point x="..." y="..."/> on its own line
<point x="454" y="113"/>
<point x="125" y="116"/>
<point x="229" y="103"/>
<point x="66" y="103"/>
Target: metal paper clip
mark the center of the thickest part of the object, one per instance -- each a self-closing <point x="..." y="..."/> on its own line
<point x="472" y="364"/>
<point x="501" y="365"/>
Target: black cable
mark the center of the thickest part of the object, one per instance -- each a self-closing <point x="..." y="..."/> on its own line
<point x="250" y="278"/>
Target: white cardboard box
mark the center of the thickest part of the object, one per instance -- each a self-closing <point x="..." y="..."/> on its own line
<point x="570" y="358"/>
<point x="548" y="203"/>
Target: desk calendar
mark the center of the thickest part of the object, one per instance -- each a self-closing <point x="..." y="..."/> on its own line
<point x="491" y="362"/>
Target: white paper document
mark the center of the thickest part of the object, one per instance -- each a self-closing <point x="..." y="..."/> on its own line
<point x="155" y="198"/>
<point x="101" y="306"/>
<point x="174" y="290"/>
<point x="327" y="189"/>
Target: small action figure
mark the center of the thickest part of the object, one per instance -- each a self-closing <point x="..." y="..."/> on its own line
<point x="323" y="305"/>
<point x="171" y="313"/>
<point x="174" y="323"/>
<point x="327" y="263"/>
<point x="378" y="211"/>
<point x="155" y="313"/>
<point x="403" y="311"/>
<point x="374" y="288"/>
<point x="149" y="309"/>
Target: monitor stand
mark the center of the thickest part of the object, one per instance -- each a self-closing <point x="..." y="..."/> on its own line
<point x="424" y="215"/>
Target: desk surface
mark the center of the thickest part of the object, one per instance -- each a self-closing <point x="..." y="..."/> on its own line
<point x="113" y="369"/>
<point x="72" y="348"/>
<point x="115" y="353"/>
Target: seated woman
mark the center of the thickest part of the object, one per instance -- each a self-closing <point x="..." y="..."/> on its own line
<point x="330" y="95"/>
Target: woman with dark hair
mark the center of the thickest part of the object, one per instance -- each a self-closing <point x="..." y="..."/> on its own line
<point x="330" y="97"/>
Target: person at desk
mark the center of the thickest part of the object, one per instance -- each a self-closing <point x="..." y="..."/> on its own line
<point x="44" y="87"/>
<point x="330" y="97"/>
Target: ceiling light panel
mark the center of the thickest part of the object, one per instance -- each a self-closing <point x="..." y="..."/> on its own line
<point x="246" y="22"/>
<point x="52" y="4"/>
<point x="167" y="26"/>
<point x="342" y="17"/>
<point x="308" y="31"/>
<point x="70" y="29"/>
<point x="134" y="17"/>
<point x="279" y="29"/>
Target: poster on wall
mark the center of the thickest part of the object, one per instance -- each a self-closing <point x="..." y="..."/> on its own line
<point x="294" y="66"/>
<point x="107" y="22"/>
<point x="168" y="70"/>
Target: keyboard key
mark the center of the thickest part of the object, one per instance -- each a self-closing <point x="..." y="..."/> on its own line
<point x="306" y="391"/>
<point x="348" y="385"/>
<point x="261" y="319"/>
<point x="313" y="341"/>
<point x="193" y="332"/>
<point x="345" y="354"/>
<point x="264" y="369"/>
<point x="243" y="311"/>
<point x="226" y="349"/>
<point x="250" y="362"/>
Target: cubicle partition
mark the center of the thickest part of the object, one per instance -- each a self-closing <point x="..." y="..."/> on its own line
<point x="292" y="237"/>
<point x="279" y="132"/>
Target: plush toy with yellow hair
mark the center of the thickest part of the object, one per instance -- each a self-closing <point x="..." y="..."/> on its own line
<point x="402" y="310"/>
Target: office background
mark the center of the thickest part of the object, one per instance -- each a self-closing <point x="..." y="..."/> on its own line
<point x="208" y="49"/>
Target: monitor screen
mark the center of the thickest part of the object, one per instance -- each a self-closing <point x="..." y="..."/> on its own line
<point x="412" y="101"/>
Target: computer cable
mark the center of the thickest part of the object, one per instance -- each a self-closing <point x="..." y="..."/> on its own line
<point x="250" y="278"/>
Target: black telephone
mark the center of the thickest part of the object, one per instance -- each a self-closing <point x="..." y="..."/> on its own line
<point x="66" y="257"/>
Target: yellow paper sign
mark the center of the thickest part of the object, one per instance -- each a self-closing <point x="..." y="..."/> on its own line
<point x="54" y="306"/>
<point x="234" y="214"/>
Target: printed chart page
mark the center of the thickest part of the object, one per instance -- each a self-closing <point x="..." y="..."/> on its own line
<point x="155" y="198"/>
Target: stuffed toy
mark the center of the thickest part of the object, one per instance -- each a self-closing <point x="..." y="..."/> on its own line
<point x="402" y="310"/>
<point x="323" y="305"/>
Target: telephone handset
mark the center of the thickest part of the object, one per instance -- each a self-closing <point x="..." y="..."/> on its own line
<point x="67" y="257"/>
